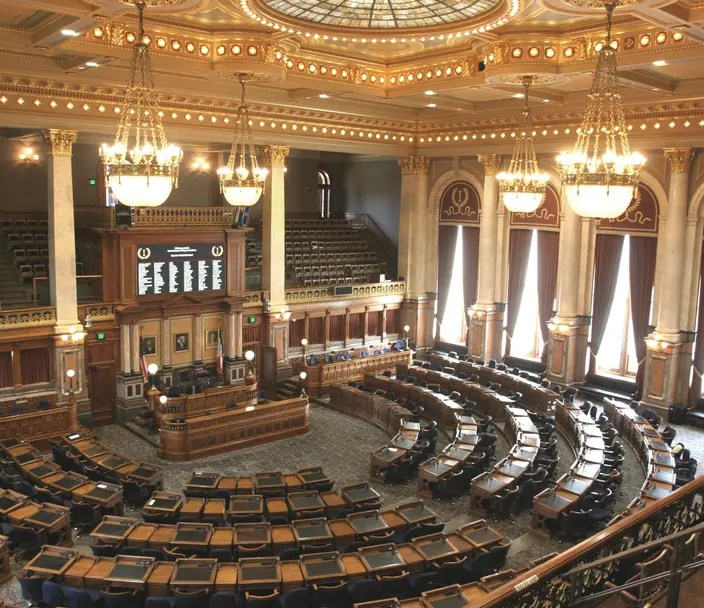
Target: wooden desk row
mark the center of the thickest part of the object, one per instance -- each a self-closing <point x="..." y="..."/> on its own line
<point x="41" y="426"/>
<point x="376" y="409"/>
<point x="295" y="505"/>
<point x="587" y="440"/>
<point x="534" y="396"/>
<point x="18" y="510"/>
<point x="319" y="377"/>
<point x="161" y="578"/>
<point x="407" y="438"/>
<point x="439" y="409"/>
<point x="652" y="450"/>
<point x="87" y="447"/>
<point x="45" y="473"/>
<point x="201" y="536"/>
<point x="454" y="456"/>
<point x="206" y="483"/>
<point x="507" y="473"/>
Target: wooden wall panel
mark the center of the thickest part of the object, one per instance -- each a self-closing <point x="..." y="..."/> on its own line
<point x="337" y="328"/>
<point x="356" y="325"/>
<point x="316" y="330"/>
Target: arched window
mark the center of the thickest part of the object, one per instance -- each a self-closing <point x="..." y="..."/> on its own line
<point x="324" y="193"/>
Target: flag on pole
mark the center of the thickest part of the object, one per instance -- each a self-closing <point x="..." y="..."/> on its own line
<point x="220" y="352"/>
<point x="143" y="359"/>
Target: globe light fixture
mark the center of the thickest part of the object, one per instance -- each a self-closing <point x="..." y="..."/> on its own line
<point x="600" y="176"/>
<point x="144" y="175"/>
<point x="242" y="180"/>
<point x="523" y="187"/>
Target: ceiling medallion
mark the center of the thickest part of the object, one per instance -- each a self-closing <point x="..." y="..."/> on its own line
<point x="599" y="4"/>
<point x="536" y="79"/>
<point x="248" y="76"/>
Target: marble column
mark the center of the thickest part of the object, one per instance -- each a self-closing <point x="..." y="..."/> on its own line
<point x="198" y="339"/>
<point x="238" y="335"/>
<point x="273" y="227"/>
<point x="419" y="308"/>
<point x="126" y="353"/>
<point x="567" y="343"/>
<point x="62" y="237"/>
<point x="668" y="356"/>
<point x="231" y="339"/>
<point x="485" y="332"/>
<point x="134" y="345"/>
<point x="165" y="344"/>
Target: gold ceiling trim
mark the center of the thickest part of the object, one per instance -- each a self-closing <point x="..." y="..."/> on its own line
<point x="500" y="15"/>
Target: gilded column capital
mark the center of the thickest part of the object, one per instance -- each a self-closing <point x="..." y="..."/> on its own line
<point x="275" y="156"/>
<point x="59" y="142"/>
<point x="491" y="162"/>
<point x="414" y="165"/>
<point x="679" y="158"/>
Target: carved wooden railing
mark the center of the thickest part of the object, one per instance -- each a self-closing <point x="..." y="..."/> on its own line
<point x="27" y="317"/>
<point x="180" y="217"/>
<point x="104" y="311"/>
<point x="95" y="217"/>
<point x="583" y="569"/>
<point x="295" y="295"/>
<point x="210" y="400"/>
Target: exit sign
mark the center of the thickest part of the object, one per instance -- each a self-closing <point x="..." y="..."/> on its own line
<point x="252" y="319"/>
<point x="101" y="335"/>
<point x="92" y="182"/>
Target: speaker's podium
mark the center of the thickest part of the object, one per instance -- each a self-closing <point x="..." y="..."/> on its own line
<point x="221" y="418"/>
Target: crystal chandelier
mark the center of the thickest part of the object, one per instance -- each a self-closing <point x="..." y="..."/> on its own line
<point x="242" y="185"/>
<point x="522" y="186"/>
<point x="600" y="175"/>
<point x="144" y="175"/>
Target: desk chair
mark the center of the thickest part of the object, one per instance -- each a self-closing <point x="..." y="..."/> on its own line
<point x="190" y="599"/>
<point x="159" y="602"/>
<point x="331" y="596"/>
<point x="364" y="590"/>
<point x="505" y="503"/>
<point x="173" y="553"/>
<point x="53" y="594"/>
<point x="291" y="553"/>
<point x="260" y="600"/>
<point x="398" y="585"/>
<point x="223" y="599"/>
<point x="100" y="549"/>
<point x="31" y="587"/>
<point x="263" y="550"/>
<point x="668" y="434"/>
<point x="84" y="598"/>
<point x="302" y="597"/>
<point x="27" y="539"/>
<point x="118" y="598"/>
<point x="450" y="572"/>
<point x="425" y="581"/>
<point x="379" y="538"/>
<point x="309" y="548"/>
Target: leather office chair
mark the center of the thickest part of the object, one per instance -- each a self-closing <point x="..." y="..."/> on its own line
<point x="331" y="596"/>
<point x="398" y="586"/>
<point x="84" y="598"/>
<point x="364" y="590"/>
<point x="262" y="550"/>
<point x="53" y="594"/>
<point x="301" y="597"/>
<point x="259" y="600"/>
<point x="191" y="599"/>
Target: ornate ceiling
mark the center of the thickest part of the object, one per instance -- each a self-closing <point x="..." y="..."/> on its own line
<point x="387" y="75"/>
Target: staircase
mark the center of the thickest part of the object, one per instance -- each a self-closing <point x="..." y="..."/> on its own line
<point x="289" y="389"/>
<point x="12" y="293"/>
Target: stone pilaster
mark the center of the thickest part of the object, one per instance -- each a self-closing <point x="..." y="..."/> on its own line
<point x="669" y="351"/>
<point x="166" y="343"/>
<point x="412" y="248"/>
<point x="486" y="319"/>
<point x="62" y="237"/>
<point x="273" y="227"/>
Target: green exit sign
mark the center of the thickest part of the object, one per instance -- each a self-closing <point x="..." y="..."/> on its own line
<point x="101" y="335"/>
<point x="92" y="182"/>
<point x="252" y="319"/>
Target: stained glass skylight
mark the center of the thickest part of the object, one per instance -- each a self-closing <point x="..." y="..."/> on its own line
<point x="381" y="14"/>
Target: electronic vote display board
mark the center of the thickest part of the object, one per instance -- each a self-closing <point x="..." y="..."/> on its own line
<point x="165" y="269"/>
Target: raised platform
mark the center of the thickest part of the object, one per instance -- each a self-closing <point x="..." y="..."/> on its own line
<point x="233" y="429"/>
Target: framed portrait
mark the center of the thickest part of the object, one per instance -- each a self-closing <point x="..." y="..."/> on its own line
<point x="180" y="343"/>
<point x="150" y="345"/>
<point x="212" y="338"/>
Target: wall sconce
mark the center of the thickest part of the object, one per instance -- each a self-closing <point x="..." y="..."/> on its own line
<point x="558" y="328"/>
<point x="73" y="336"/>
<point x="28" y="155"/>
<point x="284" y="314"/>
<point x="655" y="344"/>
<point x="200" y="165"/>
<point x="472" y="312"/>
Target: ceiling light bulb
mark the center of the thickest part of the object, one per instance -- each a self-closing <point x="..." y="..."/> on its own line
<point x="324" y="96"/>
<point x="659" y="63"/>
<point x="92" y="64"/>
<point x="432" y="105"/>
<point x="430" y="92"/>
<point x="72" y="33"/>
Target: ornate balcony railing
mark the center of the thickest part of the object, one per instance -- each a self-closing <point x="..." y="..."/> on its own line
<point x="585" y="568"/>
<point x="27" y="317"/>
<point x="181" y="217"/>
<point x="296" y="295"/>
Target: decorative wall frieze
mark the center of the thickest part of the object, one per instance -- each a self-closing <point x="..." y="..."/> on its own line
<point x="491" y="162"/>
<point x="58" y="142"/>
<point x="680" y="159"/>
<point x="275" y="156"/>
<point x="20" y="319"/>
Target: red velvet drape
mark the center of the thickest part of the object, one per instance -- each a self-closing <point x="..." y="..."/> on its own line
<point x="548" y="249"/>
<point x="641" y="264"/>
<point x="518" y="252"/>
<point x="607" y="257"/>
<point x="695" y="389"/>
<point x="447" y="242"/>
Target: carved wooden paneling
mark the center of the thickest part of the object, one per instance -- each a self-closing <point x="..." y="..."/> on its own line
<point x="459" y="204"/>
<point x="547" y="216"/>
<point x="251" y="334"/>
<point x="641" y="217"/>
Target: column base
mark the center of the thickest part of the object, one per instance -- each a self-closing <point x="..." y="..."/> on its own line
<point x="485" y="331"/>
<point x="667" y="368"/>
<point x="129" y="398"/>
<point x="567" y="351"/>
<point x="419" y="315"/>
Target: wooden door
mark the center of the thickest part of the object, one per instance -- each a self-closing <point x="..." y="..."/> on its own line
<point x="102" y="366"/>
